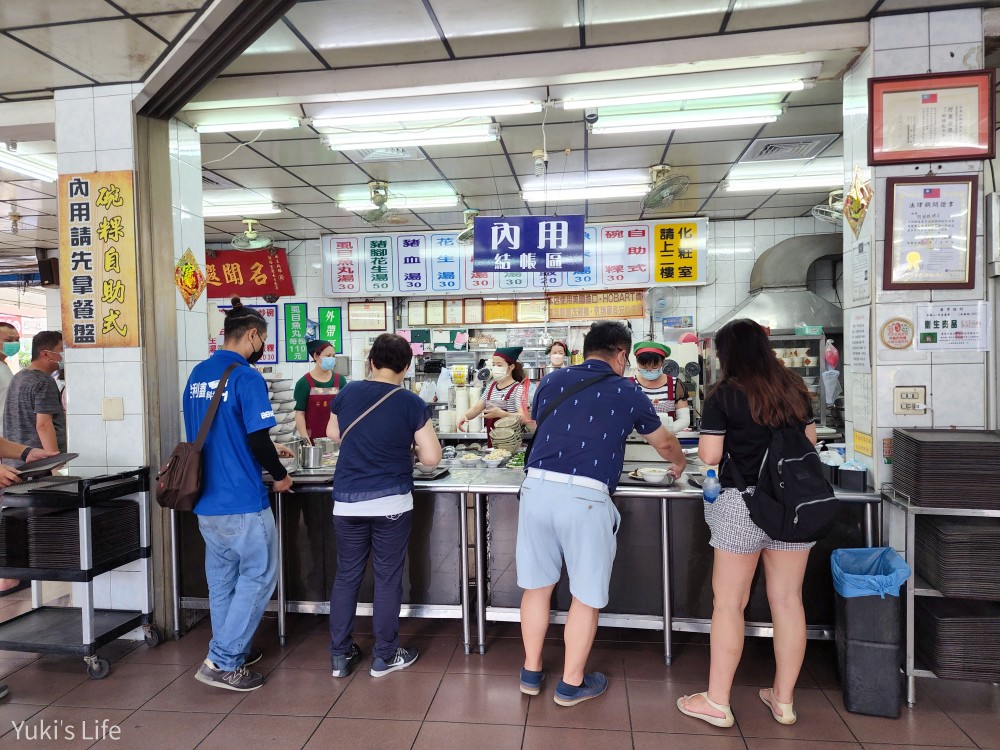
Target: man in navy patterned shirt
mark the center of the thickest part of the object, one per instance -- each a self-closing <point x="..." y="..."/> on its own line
<point x="585" y="414"/>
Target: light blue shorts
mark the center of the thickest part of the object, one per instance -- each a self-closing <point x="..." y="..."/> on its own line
<point x="558" y="522"/>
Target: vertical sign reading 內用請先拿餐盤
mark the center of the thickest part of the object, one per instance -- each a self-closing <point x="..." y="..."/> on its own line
<point x="296" y="323"/>
<point x="533" y="244"/>
<point x="330" y="328"/>
<point x="99" y="289"/>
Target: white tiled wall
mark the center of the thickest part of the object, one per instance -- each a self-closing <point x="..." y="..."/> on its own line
<point x="956" y="382"/>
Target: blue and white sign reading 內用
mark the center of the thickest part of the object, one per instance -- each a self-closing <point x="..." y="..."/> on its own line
<point x="623" y="255"/>
<point x="527" y="244"/>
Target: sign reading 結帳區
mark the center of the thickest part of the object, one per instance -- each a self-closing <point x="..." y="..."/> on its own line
<point x="518" y="244"/>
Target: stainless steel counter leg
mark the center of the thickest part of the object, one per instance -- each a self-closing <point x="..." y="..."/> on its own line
<point x="480" y="546"/>
<point x="910" y="553"/>
<point x="665" y="551"/>
<point x="282" y="594"/>
<point x="463" y="562"/>
<point x="175" y="574"/>
<point x="869" y="525"/>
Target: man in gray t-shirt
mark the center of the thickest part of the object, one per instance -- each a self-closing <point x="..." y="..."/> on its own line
<point x="33" y="413"/>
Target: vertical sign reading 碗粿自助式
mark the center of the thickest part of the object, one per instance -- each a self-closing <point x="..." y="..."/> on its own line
<point x="296" y="323"/>
<point x="527" y="244"/>
<point x="330" y="328"/>
<point x="99" y="287"/>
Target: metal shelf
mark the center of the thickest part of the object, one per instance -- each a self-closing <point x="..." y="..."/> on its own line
<point x="74" y="575"/>
<point x="56" y="630"/>
<point x="462" y="436"/>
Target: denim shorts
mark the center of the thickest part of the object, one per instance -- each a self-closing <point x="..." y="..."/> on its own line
<point x="564" y="522"/>
<point x="734" y="531"/>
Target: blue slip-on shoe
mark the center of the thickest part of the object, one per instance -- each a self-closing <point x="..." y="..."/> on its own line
<point x="594" y="684"/>
<point x="531" y="682"/>
<point x="344" y="664"/>
<point x="403" y="658"/>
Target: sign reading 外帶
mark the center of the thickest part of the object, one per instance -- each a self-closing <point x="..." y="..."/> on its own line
<point x="539" y="244"/>
<point x="99" y="287"/>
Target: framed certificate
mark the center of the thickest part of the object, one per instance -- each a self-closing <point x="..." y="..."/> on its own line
<point x="453" y="315"/>
<point x="473" y="311"/>
<point x="500" y="311"/>
<point x="366" y="316"/>
<point x="435" y="312"/>
<point x="532" y="311"/>
<point x="931" y="117"/>
<point x="930" y="233"/>
<point x="416" y="313"/>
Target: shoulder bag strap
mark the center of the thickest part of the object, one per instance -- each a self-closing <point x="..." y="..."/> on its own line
<point x="551" y="407"/>
<point x="206" y="423"/>
<point x="367" y="412"/>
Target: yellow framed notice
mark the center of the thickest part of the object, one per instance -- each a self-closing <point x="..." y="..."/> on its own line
<point x="500" y="311"/>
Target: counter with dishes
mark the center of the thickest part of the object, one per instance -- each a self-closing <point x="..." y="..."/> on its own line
<point x="663" y="554"/>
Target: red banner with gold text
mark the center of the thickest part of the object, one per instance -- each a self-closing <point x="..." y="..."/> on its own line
<point x="248" y="273"/>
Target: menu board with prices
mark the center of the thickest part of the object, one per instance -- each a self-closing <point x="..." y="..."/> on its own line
<point x="216" y="334"/>
<point x="97" y="269"/>
<point x="296" y="325"/>
<point x="625" y="255"/>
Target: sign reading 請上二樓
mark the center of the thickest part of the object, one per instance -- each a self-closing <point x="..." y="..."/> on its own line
<point x="99" y="289"/>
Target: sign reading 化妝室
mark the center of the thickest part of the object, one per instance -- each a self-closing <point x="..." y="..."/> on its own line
<point x="330" y="328"/>
<point x="627" y="255"/>
<point x="540" y="244"/>
<point x="97" y="268"/>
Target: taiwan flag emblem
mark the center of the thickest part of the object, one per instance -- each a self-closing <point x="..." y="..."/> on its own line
<point x="928" y="98"/>
<point x="932" y="192"/>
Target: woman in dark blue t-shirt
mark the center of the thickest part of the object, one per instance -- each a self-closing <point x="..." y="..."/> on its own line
<point x="377" y="423"/>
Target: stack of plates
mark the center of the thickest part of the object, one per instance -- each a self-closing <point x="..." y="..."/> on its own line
<point x="960" y="557"/>
<point x="14" y="537"/>
<point x="971" y="458"/>
<point x="54" y="537"/>
<point x="958" y="638"/>
<point x="506" y="438"/>
<point x="282" y="397"/>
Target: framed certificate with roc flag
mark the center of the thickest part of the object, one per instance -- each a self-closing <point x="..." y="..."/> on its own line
<point x="930" y="232"/>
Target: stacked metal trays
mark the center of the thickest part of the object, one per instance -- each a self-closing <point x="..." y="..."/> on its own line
<point x="282" y="398"/>
<point x="971" y="457"/>
<point x="960" y="557"/>
<point x="959" y="638"/>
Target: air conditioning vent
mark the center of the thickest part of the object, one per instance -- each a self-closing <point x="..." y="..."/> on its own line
<point x="213" y="181"/>
<point x="387" y="153"/>
<point x="777" y="149"/>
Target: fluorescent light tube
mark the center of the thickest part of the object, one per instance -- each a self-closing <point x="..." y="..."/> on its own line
<point x="427" y="136"/>
<point x="592" y="192"/>
<point x="403" y="202"/>
<point x="696" y="118"/>
<point x="440" y="115"/>
<point x="680" y="96"/>
<point x="818" y="181"/>
<point x="27" y="167"/>
<point x="250" y="210"/>
<point x="237" y="127"/>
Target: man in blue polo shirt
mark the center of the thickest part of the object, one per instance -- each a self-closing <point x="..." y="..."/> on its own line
<point x="584" y="413"/>
<point x="234" y="515"/>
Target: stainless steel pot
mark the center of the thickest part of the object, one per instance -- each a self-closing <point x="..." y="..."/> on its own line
<point x="290" y="464"/>
<point x="310" y="456"/>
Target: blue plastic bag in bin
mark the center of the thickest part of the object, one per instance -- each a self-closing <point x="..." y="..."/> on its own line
<point x="868" y="571"/>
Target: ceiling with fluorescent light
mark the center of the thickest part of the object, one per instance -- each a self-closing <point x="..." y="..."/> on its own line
<point x="327" y="55"/>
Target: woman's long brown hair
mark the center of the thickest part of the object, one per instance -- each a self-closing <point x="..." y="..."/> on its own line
<point x="777" y="396"/>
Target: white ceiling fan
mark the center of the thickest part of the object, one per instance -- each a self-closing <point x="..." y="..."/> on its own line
<point x="665" y="189"/>
<point x="250" y="238"/>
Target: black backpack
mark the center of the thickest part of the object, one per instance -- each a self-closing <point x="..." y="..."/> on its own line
<point x="793" y="501"/>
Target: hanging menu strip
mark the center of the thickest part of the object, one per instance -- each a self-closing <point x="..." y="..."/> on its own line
<point x="616" y="256"/>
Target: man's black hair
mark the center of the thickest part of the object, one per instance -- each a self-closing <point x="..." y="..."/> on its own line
<point x="606" y="338"/>
<point x="241" y="319"/>
<point x="44" y="341"/>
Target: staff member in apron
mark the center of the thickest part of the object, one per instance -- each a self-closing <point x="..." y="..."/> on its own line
<point x="315" y="391"/>
<point x="667" y="393"/>
<point x="507" y="395"/>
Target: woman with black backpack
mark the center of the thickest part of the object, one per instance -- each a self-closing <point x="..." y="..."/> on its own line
<point x="755" y="397"/>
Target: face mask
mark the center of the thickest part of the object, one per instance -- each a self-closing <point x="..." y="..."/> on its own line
<point x="62" y="363"/>
<point x="255" y="356"/>
<point x="11" y="348"/>
<point x="327" y="363"/>
<point x="499" y="373"/>
<point x="557" y="359"/>
<point x="649" y="374"/>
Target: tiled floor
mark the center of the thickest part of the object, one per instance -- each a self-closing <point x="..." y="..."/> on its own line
<point x="450" y="700"/>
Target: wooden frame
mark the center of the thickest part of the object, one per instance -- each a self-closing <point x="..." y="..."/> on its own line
<point x="358" y="312"/>
<point x="907" y="115"/>
<point x="435" y="312"/>
<point x="910" y="261"/>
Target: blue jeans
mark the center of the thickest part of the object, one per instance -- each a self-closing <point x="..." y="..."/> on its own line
<point x="241" y="566"/>
<point x="386" y="539"/>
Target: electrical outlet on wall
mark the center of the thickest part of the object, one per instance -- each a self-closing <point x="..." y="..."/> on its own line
<point x="909" y="400"/>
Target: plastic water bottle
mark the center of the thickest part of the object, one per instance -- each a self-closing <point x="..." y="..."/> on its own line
<point x="710" y="486"/>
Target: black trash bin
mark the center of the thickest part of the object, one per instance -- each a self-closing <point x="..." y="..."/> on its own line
<point x="869" y="631"/>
